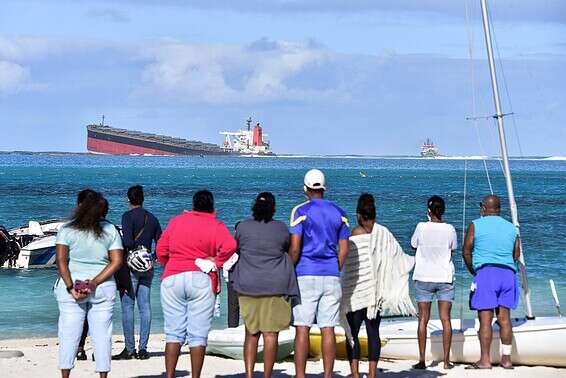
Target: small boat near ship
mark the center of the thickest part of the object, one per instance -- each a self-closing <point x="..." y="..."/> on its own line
<point x="31" y="246"/>
<point x="428" y="149"/>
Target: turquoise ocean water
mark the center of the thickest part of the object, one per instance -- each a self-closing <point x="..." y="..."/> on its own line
<point x="36" y="187"/>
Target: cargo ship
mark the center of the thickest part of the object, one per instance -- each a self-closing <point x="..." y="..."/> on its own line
<point x="104" y="139"/>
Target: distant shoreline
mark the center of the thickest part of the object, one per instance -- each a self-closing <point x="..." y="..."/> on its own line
<point x="296" y="156"/>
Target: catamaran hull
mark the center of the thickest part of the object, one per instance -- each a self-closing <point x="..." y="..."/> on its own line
<point x="535" y="342"/>
<point x="229" y="342"/>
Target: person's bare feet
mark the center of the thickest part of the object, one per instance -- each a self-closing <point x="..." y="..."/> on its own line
<point x="448" y="365"/>
<point x="421" y="365"/>
<point x="506" y="362"/>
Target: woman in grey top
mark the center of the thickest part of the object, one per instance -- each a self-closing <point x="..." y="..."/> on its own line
<point x="265" y="281"/>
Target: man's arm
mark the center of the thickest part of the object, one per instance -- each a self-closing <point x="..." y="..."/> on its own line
<point x="467" y="249"/>
<point x="342" y="252"/>
<point x="295" y="248"/>
<point x="127" y="232"/>
<point x="158" y="230"/>
<point x="517" y="249"/>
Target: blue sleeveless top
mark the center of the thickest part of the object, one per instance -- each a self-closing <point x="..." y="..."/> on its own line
<point x="494" y="241"/>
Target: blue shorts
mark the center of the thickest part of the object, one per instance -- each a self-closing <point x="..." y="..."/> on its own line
<point x="320" y="300"/>
<point x="426" y="291"/>
<point x="493" y="287"/>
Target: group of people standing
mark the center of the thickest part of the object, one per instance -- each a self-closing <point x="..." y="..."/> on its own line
<point x="314" y="271"/>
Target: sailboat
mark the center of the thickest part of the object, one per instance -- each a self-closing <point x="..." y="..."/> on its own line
<point x="536" y="340"/>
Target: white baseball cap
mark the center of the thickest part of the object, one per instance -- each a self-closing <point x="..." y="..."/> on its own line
<point x="314" y="179"/>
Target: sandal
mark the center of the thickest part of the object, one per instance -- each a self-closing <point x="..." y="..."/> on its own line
<point x="475" y="366"/>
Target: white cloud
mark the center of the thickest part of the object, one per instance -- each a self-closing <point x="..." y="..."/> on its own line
<point x="235" y="74"/>
<point x="13" y="77"/>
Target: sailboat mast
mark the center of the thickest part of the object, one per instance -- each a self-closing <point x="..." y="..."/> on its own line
<point x="504" y="155"/>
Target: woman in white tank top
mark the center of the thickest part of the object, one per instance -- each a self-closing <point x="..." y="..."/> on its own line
<point x="434" y="275"/>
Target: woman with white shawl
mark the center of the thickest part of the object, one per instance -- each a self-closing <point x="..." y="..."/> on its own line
<point x="375" y="279"/>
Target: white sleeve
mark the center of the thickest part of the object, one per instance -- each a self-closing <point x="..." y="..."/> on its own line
<point x="415" y="237"/>
<point x="454" y="240"/>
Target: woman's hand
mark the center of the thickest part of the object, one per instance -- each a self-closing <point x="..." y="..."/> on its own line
<point x="77" y="295"/>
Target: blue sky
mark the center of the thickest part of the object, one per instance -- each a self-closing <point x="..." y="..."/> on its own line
<point x="324" y="77"/>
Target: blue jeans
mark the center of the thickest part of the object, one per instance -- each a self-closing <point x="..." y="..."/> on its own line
<point x="141" y="293"/>
<point x="97" y="308"/>
<point x="187" y="300"/>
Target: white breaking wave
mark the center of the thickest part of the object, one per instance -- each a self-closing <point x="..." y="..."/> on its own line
<point x="473" y="157"/>
<point x="555" y="158"/>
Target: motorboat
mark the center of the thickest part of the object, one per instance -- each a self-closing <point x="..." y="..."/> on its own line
<point x="34" y="245"/>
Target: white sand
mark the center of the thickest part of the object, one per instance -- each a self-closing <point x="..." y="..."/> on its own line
<point x="40" y="360"/>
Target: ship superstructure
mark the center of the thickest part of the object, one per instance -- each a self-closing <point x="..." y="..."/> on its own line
<point x="249" y="141"/>
<point x="428" y="149"/>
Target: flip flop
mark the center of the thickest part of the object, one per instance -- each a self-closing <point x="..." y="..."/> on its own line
<point x="448" y="367"/>
<point x="475" y="366"/>
<point x="510" y="367"/>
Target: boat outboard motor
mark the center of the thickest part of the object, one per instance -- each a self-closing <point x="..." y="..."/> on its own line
<point x="9" y="248"/>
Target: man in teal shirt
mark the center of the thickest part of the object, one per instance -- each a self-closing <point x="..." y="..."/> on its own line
<point x="490" y="250"/>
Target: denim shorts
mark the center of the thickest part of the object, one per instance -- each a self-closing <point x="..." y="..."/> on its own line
<point x="320" y="301"/>
<point x="426" y="291"/>
<point x="188" y="306"/>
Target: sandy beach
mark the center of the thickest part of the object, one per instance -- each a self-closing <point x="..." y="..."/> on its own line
<point x="40" y="360"/>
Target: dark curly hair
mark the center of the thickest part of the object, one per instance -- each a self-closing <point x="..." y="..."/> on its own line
<point x="89" y="213"/>
<point x="264" y="207"/>
<point x="366" y="207"/>
<point x="84" y="194"/>
<point x="203" y="201"/>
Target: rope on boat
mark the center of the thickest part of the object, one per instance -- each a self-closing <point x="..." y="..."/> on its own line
<point x="474" y="119"/>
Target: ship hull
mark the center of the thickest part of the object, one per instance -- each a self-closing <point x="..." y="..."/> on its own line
<point x="102" y="143"/>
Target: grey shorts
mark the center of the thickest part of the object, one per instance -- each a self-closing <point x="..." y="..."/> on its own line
<point x="320" y="301"/>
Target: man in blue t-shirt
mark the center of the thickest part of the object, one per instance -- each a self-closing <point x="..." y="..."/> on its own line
<point x="491" y="249"/>
<point x="319" y="244"/>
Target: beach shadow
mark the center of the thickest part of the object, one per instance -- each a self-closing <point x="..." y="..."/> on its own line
<point x="162" y="354"/>
<point x="277" y="373"/>
<point x="411" y="373"/>
<point x="162" y="375"/>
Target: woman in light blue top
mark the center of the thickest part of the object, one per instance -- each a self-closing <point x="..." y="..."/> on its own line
<point x="89" y="252"/>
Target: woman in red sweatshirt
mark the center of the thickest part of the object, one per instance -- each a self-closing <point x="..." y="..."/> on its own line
<point x="187" y="293"/>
